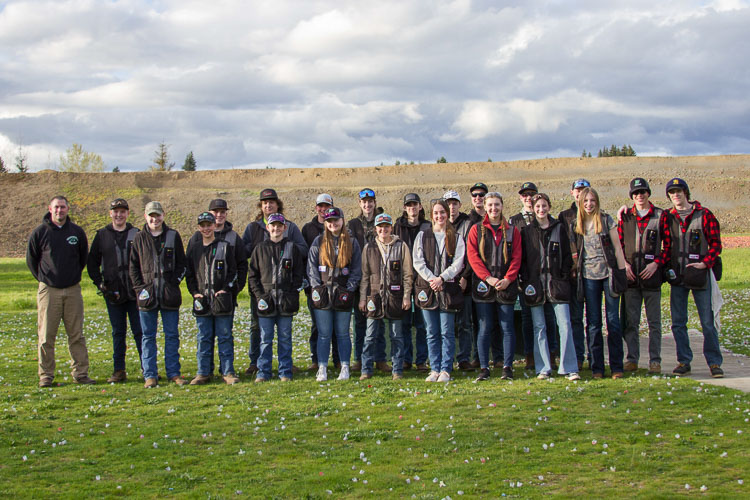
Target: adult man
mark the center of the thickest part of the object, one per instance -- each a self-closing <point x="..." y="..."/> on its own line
<point x="568" y="216"/>
<point x="362" y="228"/>
<point x="411" y="222"/>
<point x="646" y="251"/>
<point x="463" y="323"/>
<point x="695" y="248"/>
<point x="477" y="192"/>
<point x="157" y="266"/>
<point x="310" y="231"/>
<point x="108" y="266"/>
<point x="56" y="256"/>
<point x="255" y="232"/>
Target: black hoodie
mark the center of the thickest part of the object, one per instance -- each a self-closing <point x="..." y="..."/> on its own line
<point x="57" y="255"/>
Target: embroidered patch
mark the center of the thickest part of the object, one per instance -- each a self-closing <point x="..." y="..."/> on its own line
<point x="422" y="296"/>
<point x="262" y="305"/>
<point x="345" y="271"/>
<point x="72" y="240"/>
<point x="344" y="296"/>
<point x="197" y="305"/>
<point x="371" y="306"/>
<point x="144" y="295"/>
<point x="482" y="287"/>
<point x="694" y="256"/>
<point x="395" y="288"/>
<point x="530" y="290"/>
<point x="648" y="257"/>
<point x="315" y="296"/>
<point x="322" y="269"/>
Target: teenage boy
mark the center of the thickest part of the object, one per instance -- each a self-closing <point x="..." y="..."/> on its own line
<point x="108" y="266"/>
<point x="157" y="266"/>
<point x="56" y="256"/>
<point x="695" y="249"/>
<point x="411" y="222"/>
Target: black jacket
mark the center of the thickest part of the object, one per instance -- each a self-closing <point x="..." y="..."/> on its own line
<point x="145" y="274"/>
<point x="56" y="256"/>
<point x="568" y="217"/>
<point x="236" y="251"/>
<point x="363" y="230"/>
<point x="312" y="230"/>
<point x="102" y="262"/>
<point x="260" y="275"/>
<point x="555" y="280"/>
<point x="406" y="232"/>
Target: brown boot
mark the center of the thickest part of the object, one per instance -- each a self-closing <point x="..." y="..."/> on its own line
<point x="464" y="365"/>
<point x="252" y="369"/>
<point x="150" y="382"/>
<point x="118" y="376"/>
<point x="179" y="380"/>
<point x="231" y="379"/>
<point x="530" y="362"/>
<point x="383" y="366"/>
<point x="313" y="367"/>
<point x="630" y="366"/>
<point x="45" y="381"/>
<point x="84" y="379"/>
<point x="356" y="366"/>
<point x="422" y="368"/>
<point x="200" y="380"/>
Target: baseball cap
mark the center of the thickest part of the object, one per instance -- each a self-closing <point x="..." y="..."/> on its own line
<point x="383" y="219"/>
<point x="119" y="203"/>
<point x="412" y="198"/>
<point x="206" y="217"/>
<point x="154" y="207"/>
<point x="452" y="195"/>
<point x="366" y="193"/>
<point x="639" y="184"/>
<point x="479" y="185"/>
<point x="580" y="183"/>
<point x="333" y="213"/>
<point x="218" y="204"/>
<point x="324" y="198"/>
<point x="276" y="218"/>
<point x="527" y="186"/>
<point x="677" y="183"/>
<point x="268" y="194"/>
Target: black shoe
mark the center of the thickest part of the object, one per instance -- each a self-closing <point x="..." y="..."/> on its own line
<point x="484" y="374"/>
<point x="507" y="373"/>
<point x="682" y="369"/>
<point x="716" y="371"/>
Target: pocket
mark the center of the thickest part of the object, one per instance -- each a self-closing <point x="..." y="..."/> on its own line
<point x="289" y="303"/>
<point x="172" y="296"/>
<point x="319" y="297"/>
<point x="425" y="299"/>
<point x="481" y="291"/>
<point x="374" y="307"/>
<point x="222" y="305"/>
<point x="618" y="282"/>
<point x="533" y="294"/>
<point x="452" y="297"/>
<point x="509" y="295"/>
<point x="115" y="293"/>
<point x="266" y="305"/>
<point x="559" y="290"/>
<point x="343" y="299"/>
<point x="695" y="278"/>
<point x="146" y="298"/>
<point x="718" y="268"/>
<point x="654" y="282"/>
<point x="201" y="307"/>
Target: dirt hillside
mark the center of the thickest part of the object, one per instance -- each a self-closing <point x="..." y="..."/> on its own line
<point x="719" y="182"/>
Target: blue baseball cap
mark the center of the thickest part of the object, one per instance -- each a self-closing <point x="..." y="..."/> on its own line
<point x="383" y="219"/>
<point x="277" y="217"/>
<point x="580" y="183"/>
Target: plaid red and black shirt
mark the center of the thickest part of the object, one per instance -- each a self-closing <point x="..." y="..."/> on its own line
<point x="666" y="240"/>
<point x="710" y="229"/>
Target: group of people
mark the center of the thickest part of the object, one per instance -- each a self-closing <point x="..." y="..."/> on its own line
<point x="444" y="287"/>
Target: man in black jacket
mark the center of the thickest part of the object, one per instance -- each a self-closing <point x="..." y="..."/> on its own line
<point x="108" y="266"/>
<point x="56" y="256"/>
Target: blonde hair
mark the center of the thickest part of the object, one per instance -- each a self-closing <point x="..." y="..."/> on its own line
<point x="582" y="216"/>
<point x="450" y="231"/>
<point x="503" y="230"/>
<point x="327" y="251"/>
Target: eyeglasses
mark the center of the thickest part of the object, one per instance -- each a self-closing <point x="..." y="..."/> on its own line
<point x="528" y="194"/>
<point x="366" y="193"/>
<point x="477" y="194"/>
<point x="640" y="192"/>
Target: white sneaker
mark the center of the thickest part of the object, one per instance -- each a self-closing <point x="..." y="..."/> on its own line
<point x="322" y="375"/>
<point x="344" y="375"/>
<point x="573" y="376"/>
<point x="543" y="376"/>
<point x="444" y="377"/>
<point x="432" y="377"/>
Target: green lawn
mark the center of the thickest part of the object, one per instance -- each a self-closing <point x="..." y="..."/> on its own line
<point x="645" y="436"/>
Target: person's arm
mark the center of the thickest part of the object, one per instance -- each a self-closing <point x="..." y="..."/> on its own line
<point x="135" y="263"/>
<point x="621" y="238"/>
<point x="83" y="249"/>
<point x="713" y="237"/>
<point x="247" y="238"/>
<point x="231" y="284"/>
<point x="666" y="240"/>
<point x="408" y="272"/>
<point x="298" y="268"/>
<point x="364" y="283"/>
<point x="296" y="236"/>
<point x="180" y="262"/>
<point x="240" y="259"/>
<point x="458" y="260"/>
<point x="567" y="256"/>
<point x="355" y="267"/>
<point x="515" y="259"/>
<point x="313" y="259"/>
<point x="254" y="285"/>
<point x="94" y="262"/>
<point x="191" y="278"/>
<point x="621" y="263"/>
<point x="420" y="266"/>
<point x="472" y="253"/>
<point x="33" y="254"/>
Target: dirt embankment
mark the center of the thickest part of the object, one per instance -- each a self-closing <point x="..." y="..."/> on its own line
<point x="719" y="182"/>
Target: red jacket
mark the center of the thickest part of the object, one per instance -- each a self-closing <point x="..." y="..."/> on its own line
<point x="472" y="250"/>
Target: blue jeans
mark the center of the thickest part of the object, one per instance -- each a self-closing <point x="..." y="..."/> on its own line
<point x="593" y="290"/>
<point x="314" y="338"/>
<point x="149" y="322"/>
<point x="360" y="330"/>
<point x="330" y="321"/>
<point x="118" y="318"/>
<point x="527" y="328"/>
<point x="678" y="303"/>
<point x="414" y="318"/>
<point x="254" y="350"/>
<point x="576" y="322"/>
<point x="441" y="341"/>
<point x="490" y="315"/>
<point x="283" y="326"/>
<point x="464" y="331"/>
<point x="219" y="328"/>
<point x="568" y="361"/>
<point x="397" y="344"/>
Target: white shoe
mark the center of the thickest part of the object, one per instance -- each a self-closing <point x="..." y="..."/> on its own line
<point x="573" y="376"/>
<point x="344" y="375"/>
<point x="322" y="375"/>
<point x="444" y="377"/>
<point x="432" y="377"/>
<point x="543" y="376"/>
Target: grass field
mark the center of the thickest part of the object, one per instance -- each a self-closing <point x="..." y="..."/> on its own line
<point x="645" y="436"/>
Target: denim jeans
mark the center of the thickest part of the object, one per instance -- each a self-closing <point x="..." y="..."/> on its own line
<point x="576" y="322"/>
<point x="593" y="290"/>
<point x="218" y="328"/>
<point x="254" y="350"/>
<point x="314" y="338"/>
<point x="283" y="325"/>
<point x="490" y="316"/>
<point x="441" y="341"/>
<point x="397" y="344"/>
<point x="464" y="331"/>
<point x="678" y="303"/>
<point x="414" y="318"/>
<point x="542" y="362"/>
<point x="634" y="298"/>
<point x="360" y="330"/>
<point x="527" y="328"/>
<point x="330" y="321"/>
<point x="149" y="322"/>
<point x="118" y="318"/>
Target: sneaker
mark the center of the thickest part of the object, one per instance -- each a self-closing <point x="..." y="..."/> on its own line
<point x="444" y="377"/>
<point x="397" y="376"/>
<point x="464" y="365"/>
<point x="543" y="376"/>
<point x="231" y="379"/>
<point x="630" y="366"/>
<point x="84" y="379"/>
<point x="356" y="366"/>
<point x="151" y="382"/>
<point x="716" y="371"/>
<point x="313" y="367"/>
<point x="654" y="367"/>
<point x="432" y="377"/>
<point x="573" y="376"/>
<point x="407" y="366"/>
<point x="179" y="380"/>
<point x="344" y="375"/>
<point x="529" y="362"/>
<point x="286" y="379"/>
<point x="45" y="382"/>
<point x="260" y="380"/>
<point x="252" y="369"/>
<point x="681" y="369"/>
<point x="200" y="380"/>
<point x="365" y="376"/>
<point x="484" y="374"/>
<point x="422" y="368"/>
<point x="118" y="376"/>
<point x="507" y="373"/>
<point x="616" y="375"/>
<point x="383" y="367"/>
<point x="322" y="374"/>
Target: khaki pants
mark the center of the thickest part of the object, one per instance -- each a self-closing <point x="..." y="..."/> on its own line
<point x="53" y="305"/>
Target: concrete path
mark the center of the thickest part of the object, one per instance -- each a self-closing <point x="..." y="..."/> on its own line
<point x="736" y="366"/>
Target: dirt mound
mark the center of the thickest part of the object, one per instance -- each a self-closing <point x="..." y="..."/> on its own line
<point x="717" y="181"/>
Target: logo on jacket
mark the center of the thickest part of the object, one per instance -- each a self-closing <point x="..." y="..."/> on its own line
<point x="144" y="295"/>
<point x="530" y="290"/>
<point x="422" y="296"/>
<point x="344" y="296"/>
<point x="196" y="305"/>
<point x="72" y="240"/>
<point x="262" y="305"/>
<point x="316" y="296"/>
<point x="482" y="287"/>
<point x="371" y="306"/>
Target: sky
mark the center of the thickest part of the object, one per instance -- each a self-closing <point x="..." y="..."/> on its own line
<point x="250" y="84"/>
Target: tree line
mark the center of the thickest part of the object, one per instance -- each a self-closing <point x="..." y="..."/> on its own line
<point x="613" y="150"/>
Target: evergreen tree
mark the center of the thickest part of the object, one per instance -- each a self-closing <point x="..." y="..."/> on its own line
<point x="116" y="169"/>
<point x="613" y="150"/>
<point x="442" y="160"/>
<point x="21" y="161"/>
<point x="161" y="159"/>
<point x="583" y="155"/>
<point x="189" y="165"/>
<point x="589" y="154"/>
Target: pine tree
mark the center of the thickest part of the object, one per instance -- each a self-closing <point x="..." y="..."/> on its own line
<point x="583" y="155"/>
<point x="589" y="154"/>
<point x="161" y="159"/>
<point x="189" y="165"/>
<point x="116" y="169"/>
<point x="21" y="161"/>
<point x="442" y="160"/>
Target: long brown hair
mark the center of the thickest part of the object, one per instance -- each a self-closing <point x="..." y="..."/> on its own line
<point x="503" y="229"/>
<point x="582" y="216"/>
<point x="279" y="208"/>
<point x="450" y="231"/>
<point x="327" y="251"/>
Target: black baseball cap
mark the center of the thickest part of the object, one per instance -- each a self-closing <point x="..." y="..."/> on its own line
<point x="206" y="217"/>
<point x="119" y="203"/>
<point x="678" y="183"/>
<point x="218" y="204"/>
<point x="528" y="186"/>
<point x="639" y="184"/>
<point x="412" y="198"/>
<point x="268" y="194"/>
<point x="479" y="185"/>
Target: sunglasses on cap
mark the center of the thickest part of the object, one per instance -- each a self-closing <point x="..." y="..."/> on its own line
<point x="366" y="193"/>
